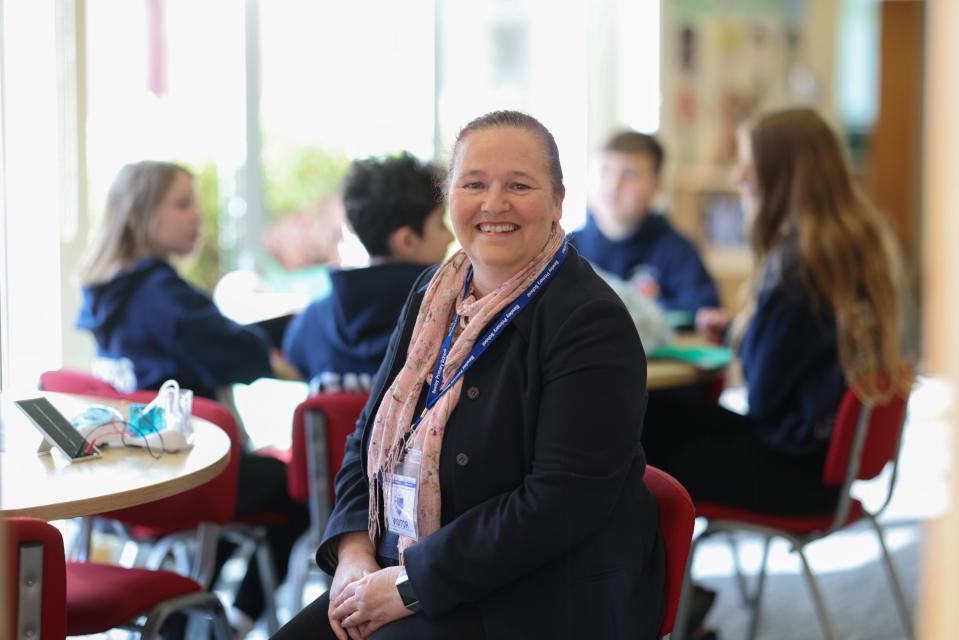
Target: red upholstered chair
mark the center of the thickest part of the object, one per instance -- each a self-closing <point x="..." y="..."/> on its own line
<point x="78" y="382"/>
<point x="864" y="440"/>
<point x="676" y="518"/>
<point x="200" y="514"/>
<point x="321" y="425"/>
<point x="61" y="598"/>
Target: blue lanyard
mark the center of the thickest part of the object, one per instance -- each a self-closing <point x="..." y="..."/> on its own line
<point x="435" y="391"/>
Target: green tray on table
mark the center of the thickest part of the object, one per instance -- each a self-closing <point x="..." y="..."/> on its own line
<point x="700" y="356"/>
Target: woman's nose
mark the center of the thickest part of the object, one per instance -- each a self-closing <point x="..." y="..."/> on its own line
<point x="495" y="199"/>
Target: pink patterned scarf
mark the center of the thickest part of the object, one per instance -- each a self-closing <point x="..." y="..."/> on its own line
<point x="394" y="417"/>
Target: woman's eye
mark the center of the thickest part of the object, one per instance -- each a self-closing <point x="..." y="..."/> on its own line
<point x="519" y="186"/>
<point x="473" y="185"/>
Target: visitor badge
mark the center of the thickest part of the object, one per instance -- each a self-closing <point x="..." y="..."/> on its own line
<point x="401" y="495"/>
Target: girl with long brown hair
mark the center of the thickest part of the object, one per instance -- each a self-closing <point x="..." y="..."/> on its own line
<point x="823" y="315"/>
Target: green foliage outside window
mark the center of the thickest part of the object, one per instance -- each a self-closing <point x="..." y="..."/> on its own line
<point x="301" y="179"/>
<point x="295" y="184"/>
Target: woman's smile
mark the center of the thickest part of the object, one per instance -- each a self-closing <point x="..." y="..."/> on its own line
<point x="497" y="228"/>
<point x="502" y="203"/>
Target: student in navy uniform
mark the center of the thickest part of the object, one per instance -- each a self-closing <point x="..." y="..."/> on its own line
<point x="824" y="315"/>
<point x="625" y="237"/>
<point x="151" y="325"/>
<point x="396" y="207"/>
<point x="532" y="517"/>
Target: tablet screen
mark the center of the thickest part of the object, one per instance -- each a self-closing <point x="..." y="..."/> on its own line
<point x="55" y="427"/>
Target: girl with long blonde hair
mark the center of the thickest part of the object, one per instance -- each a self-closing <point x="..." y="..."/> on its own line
<point x="151" y="325"/>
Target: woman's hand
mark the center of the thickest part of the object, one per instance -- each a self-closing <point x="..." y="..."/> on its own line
<point x="356" y="560"/>
<point x="711" y="324"/>
<point x="370" y="602"/>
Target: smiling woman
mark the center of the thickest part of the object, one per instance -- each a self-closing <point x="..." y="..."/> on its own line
<point x="483" y="514"/>
<point x="503" y="202"/>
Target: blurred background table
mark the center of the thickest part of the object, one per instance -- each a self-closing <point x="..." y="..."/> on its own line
<point x="689" y="360"/>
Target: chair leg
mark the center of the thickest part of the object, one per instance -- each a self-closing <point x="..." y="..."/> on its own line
<point x="824" y="618"/>
<point x="204" y="560"/>
<point x="680" y="630"/>
<point x="181" y="558"/>
<point x="201" y="602"/>
<point x="80" y="545"/>
<point x="737" y="568"/>
<point x="264" y="560"/>
<point x="894" y="581"/>
<point x="756" y="600"/>
<point x="158" y="552"/>
<point x="300" y="561"/>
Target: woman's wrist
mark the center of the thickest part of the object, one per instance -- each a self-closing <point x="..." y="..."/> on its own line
<point x="355" y="545"/>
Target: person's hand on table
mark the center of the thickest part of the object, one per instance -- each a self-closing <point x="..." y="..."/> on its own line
<point x="356" y="560"/>
<point x="365" y="605"/>
<point x="711" y="323"/>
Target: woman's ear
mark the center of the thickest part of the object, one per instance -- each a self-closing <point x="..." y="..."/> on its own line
<point x="558" y="206"/>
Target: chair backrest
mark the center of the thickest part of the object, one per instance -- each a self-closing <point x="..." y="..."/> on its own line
<point x="78" y="382"/>
<point x="881" y="441"/>
<point x="214" y="501"/>
<point x="338" y="413"/>
<point x="36" y="580"/>
<point x="676" y="518"/>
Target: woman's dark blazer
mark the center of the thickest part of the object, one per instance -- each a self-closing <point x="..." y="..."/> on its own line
<point x="546" y="522"/>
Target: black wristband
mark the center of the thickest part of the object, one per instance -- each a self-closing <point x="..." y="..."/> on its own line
<point x="407" y="594"/>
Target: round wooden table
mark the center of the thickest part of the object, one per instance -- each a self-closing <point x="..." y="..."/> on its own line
<point x="668" y="373"/>
<point x="50" y="487"/>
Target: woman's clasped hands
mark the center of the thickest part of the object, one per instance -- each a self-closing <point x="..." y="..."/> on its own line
<point x="363" y="597"/>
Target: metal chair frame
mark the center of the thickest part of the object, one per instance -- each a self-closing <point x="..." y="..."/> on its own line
<point x="799" y="542"/>
<point x="30" y="612"/>
<point x="302" y="556"/>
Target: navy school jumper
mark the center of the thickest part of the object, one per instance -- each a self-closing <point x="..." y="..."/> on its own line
<point x="684" y="283"/>
<point x="166" y="328"/>
<point x="338" y="342"/>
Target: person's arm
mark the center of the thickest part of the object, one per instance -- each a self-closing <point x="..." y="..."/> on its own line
<point x="784" y="339"/>
<point x="218" y="350"/>
<point x="587" y="439"/>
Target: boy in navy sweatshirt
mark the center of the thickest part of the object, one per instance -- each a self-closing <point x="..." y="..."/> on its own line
<point x="396" y="207"/>
<point x="624" y="236"/>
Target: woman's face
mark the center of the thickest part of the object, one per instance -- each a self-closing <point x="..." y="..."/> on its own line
<point x="174" y="227"/>
<point x="502" y="204"/>
<point x="744" y="175"/>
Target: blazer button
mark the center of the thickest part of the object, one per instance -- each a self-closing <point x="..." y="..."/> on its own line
<point x="473" y="393"/>
<point x="462" y="459"/>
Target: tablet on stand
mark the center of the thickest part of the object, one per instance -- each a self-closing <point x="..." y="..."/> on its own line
<point x="57" y="430"/>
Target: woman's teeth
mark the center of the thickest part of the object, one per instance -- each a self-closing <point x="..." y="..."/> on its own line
<point x="497" y="228"/>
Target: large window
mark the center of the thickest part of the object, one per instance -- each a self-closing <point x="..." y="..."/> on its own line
<point x="268" y="102"/>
